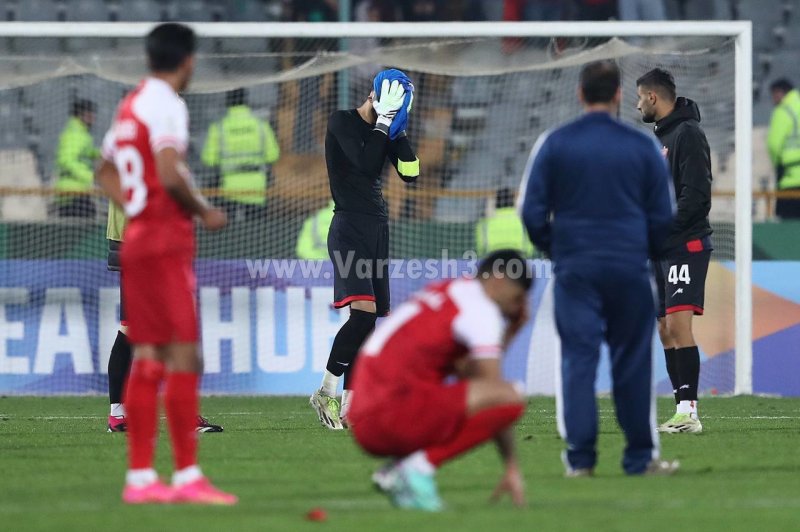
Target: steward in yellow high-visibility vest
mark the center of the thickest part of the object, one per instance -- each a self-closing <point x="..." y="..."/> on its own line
<point x="241" y="147"/>
<point x="783" y="143"/>
<point x="503" y="229"/>
<point x="312" y="242"/>
<point x="75" y="159"/>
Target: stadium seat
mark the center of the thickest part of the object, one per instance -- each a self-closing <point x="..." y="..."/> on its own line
<point x="475" y="171"/>
<point x="472" y="91"/>
<point x="18" y="170"/>
<point x="36" y="10"/>
<point x="247" y="11"/>
<point x="195" y="11"/>
<point x="12" y="134"/>
<point x="299" y="181"/>
<point x="139" y="11"/>
<point x="86" y="11"/>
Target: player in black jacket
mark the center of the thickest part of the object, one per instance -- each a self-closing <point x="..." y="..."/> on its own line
<point x="357" y="144"/>
<point x="681" y="269"/>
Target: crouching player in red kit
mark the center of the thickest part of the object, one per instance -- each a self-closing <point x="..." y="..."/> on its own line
<point x="404" y="406"/>
<point x="144" y="171"/>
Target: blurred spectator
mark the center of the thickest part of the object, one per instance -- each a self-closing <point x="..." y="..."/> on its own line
<point x="642" y="10"/>
<point x="462" y="10"/>
<point x="493" y="9"/>
<point x="421" y="10"/>
<point x="240" y="148"/>
<point x="312" y="10"/>
<point x="783" y="144"/>
<point x="597" y="9"/>
<point x="692" y="9"/>
<point x="312" y="242"/>
<point x="502" y="229"/>
<point x="543" y="10"/>
<point x="377" y="11"/>
<point x="75" y="159"/>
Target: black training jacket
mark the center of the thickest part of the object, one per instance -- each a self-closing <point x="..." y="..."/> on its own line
<point x="690" y="162"/>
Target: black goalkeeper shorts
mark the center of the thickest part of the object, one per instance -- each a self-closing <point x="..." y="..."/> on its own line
<point x="681" y="278"/>
<point x="358" y="245"/>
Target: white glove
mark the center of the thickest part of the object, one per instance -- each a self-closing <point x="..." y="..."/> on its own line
<point x="387" y="103"/>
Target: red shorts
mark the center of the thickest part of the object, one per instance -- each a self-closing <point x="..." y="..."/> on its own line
<point x="409" y="419"/>
<point x="159" y="304"/>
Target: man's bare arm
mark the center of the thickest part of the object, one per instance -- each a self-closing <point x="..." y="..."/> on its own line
<point x="175" y="178"/>
<point x="107" y="178"/>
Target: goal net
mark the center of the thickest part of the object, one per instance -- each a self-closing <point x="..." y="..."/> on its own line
<point x="481" y="100"/>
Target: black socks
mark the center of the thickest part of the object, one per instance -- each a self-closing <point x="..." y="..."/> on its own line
<point x="688" y="365"/>
<point x="119" y="365"/>
<point x="348" y="341"/>
<point x="672" y="371"/>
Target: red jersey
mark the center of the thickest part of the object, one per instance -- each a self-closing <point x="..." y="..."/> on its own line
<point x="152" y="117"/>
<point x="425" y="336"/>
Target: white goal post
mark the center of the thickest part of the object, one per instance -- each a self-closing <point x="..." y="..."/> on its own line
<point x="739" y="31"/>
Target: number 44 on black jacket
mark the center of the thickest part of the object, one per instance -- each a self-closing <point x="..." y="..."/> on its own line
<point x="686" y="149"/>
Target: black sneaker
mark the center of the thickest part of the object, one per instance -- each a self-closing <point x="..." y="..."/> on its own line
<point x="204" y="425"/>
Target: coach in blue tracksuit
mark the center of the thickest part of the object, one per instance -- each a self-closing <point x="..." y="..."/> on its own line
<point x="597" y="198"/>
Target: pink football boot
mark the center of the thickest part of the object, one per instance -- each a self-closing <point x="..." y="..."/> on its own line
<point x="201" y="491"/>
<point x="155" y="493"/>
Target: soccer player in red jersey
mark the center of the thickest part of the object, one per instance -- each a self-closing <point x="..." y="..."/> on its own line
<point x="144" y="171"/>
<point x="406" y="404"/>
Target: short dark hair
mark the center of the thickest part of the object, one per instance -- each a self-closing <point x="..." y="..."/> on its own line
<point x="236" y="97"/>
<point x="168" y="45"/>
<point x="782" y="84"/>
<point x="600" y="81"/>
<point x="508" y="262"/>
<point x="80" y="106"/>
<point x="659" y="80"/>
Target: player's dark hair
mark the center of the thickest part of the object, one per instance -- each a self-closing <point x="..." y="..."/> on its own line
<point x="782" y="84"/>
<point x="507" y="262"/>
<point x="600" y="81"/>
<point x="169" y="45"/>
<point x="660" y="81"/>
<point x="236" y="97"/>
<point x="81" y="106"/>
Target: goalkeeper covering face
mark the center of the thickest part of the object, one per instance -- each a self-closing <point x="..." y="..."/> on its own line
<point x="357" y="144"/>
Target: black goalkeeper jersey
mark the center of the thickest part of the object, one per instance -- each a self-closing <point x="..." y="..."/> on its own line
<point x="355" y="153"/>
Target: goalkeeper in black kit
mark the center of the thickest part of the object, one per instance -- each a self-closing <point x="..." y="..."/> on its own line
<point x="357" y="144"/>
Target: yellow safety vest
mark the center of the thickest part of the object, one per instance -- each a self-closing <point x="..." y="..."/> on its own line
<point x="116" y="222"/>
<point x="312" y="242"/>
<point x="242" y="146"/>
<point x="783" y="140"/>
<point x="503" y="230"/>
<point x="75" y="158"/>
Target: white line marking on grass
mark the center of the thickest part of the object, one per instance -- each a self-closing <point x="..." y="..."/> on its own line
<point x="19" y="416"/>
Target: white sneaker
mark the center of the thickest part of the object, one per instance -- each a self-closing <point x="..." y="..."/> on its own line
<point x="327" y="409"/>
<point x="579" y="473"/>
<point x="682" y="423"/>
<point x="661" y="468"/>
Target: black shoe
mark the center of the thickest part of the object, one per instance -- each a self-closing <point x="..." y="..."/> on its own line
<point x="204" y="425"/>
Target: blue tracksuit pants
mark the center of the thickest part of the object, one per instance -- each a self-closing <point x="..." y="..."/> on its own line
<point x="613" y="303"/>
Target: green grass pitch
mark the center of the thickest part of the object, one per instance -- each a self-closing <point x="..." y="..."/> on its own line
<point x="60" y="471"/>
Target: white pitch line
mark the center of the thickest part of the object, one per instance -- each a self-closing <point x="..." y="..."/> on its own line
<point x="15" y="416"/>
<point x="604" y="415"/>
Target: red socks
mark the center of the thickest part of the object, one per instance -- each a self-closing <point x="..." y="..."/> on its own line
<point x="475" y="430"/>
<point x="181" y="403"/>
<point x="141" y="405"/>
